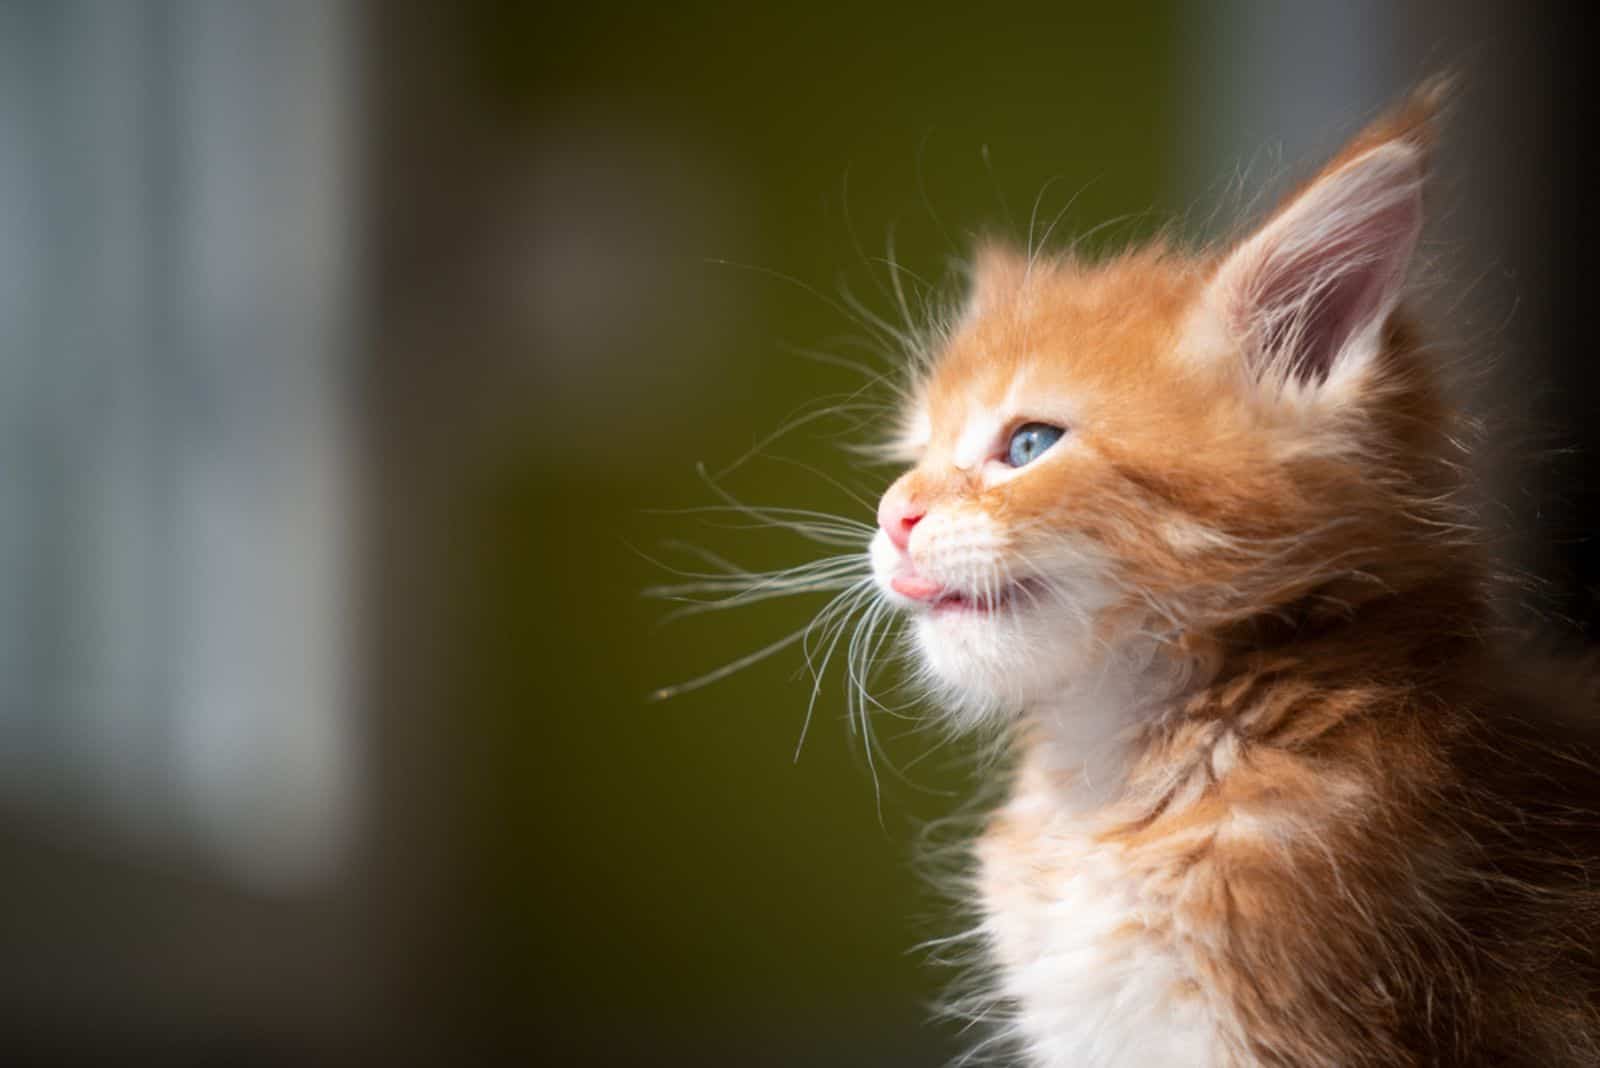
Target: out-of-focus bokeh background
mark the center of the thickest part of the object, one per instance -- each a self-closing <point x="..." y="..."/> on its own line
<point x="346" y="353"/>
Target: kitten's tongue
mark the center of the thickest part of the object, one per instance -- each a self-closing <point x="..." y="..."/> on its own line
<point x="915" y="587"/>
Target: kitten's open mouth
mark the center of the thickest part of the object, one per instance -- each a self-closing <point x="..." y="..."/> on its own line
<point x="1005" y="599"/>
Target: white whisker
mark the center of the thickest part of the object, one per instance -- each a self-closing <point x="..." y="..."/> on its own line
<point x="727" y="669"/>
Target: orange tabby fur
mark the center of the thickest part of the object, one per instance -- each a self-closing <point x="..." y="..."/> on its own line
<point x="1336" y="819"/>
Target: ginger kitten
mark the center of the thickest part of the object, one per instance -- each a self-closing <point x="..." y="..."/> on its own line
<point x="1189" y="526"/>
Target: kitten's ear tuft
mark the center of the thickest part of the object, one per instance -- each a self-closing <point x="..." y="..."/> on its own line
<point x="997" y="272"/>
<point x="1307" y="295"/>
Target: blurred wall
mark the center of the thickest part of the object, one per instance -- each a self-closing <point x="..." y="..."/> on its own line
<point x="179" y="779"/>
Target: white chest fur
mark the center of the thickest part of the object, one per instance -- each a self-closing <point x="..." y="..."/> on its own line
<point x="1090" y="964"/>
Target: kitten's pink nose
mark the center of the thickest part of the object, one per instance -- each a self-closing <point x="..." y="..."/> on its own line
<point x="897" y="514"/>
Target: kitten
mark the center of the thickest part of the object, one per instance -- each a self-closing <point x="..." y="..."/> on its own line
<point x="1189" y="527"/>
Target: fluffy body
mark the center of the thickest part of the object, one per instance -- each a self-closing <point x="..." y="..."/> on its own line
<point x="1283" y="793"/>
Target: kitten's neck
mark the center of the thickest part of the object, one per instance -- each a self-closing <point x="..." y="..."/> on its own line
<point x="1088" y="738"/>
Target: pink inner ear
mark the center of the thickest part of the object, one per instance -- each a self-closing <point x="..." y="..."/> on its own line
<point x="1328" y="267"/>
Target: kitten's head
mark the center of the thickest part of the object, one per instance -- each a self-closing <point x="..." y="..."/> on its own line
<point x="1164" y="444"/>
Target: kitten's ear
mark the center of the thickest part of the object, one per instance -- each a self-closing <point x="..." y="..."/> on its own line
<point x="1307" y="295"/>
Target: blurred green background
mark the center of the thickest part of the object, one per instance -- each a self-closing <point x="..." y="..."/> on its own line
<point x="665" y="879"/>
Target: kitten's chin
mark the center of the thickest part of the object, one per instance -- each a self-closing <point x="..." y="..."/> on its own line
<point x="988" y="666"/>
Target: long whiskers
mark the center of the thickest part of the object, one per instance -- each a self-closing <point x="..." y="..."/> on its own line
<point x="855" y="623"/>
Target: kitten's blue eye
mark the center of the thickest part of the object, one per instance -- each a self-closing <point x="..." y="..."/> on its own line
<point x="1029" y="442"/>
